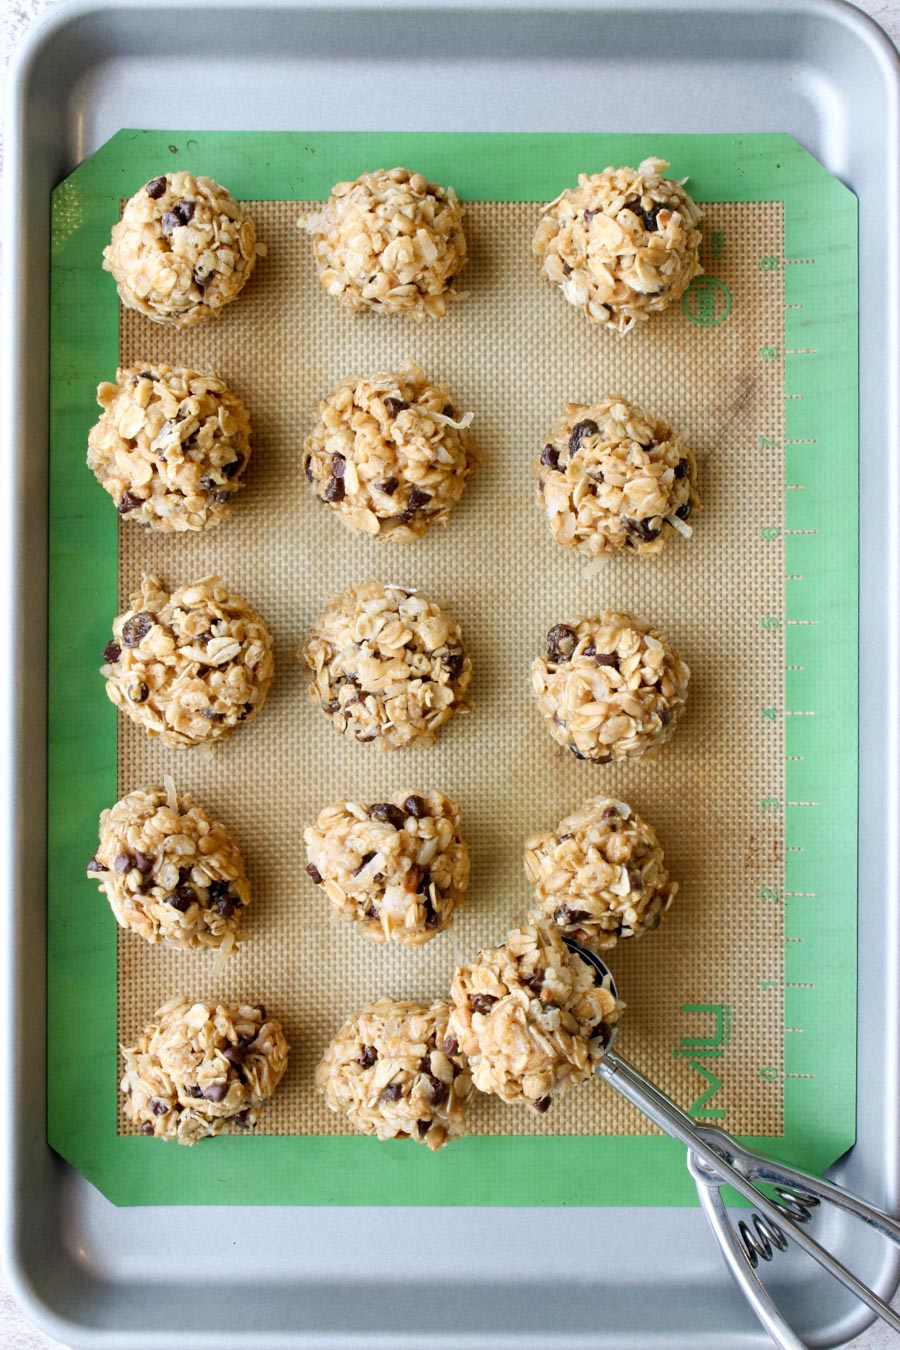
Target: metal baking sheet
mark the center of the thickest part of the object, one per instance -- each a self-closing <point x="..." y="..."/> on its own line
<point x="94" y="1275"/>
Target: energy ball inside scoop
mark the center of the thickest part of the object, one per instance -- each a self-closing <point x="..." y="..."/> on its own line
<point x="389" y="454"/>
<point x="615" y="477"/>
<point x="169" y="872"/>
<point x="610" y="687"/>
<point x="189" y="666"/>
<point x="182" y="250"/>
<point x="529" y="1016"/>
<point x="171" y="446"/>
<point x="396" y="868"/>
<point x="395" y="1072"/>
<point x="600" y="875"/>
<point x="623" y="244"/>
<point x="201" y="1069"/>
<point x="387" y="665"/>
<point x="390" y="241"/>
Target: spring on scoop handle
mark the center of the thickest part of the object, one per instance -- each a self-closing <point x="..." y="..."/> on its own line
<point x="762" y="1237"/>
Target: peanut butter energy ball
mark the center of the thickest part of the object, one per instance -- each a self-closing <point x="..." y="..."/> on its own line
<point x="202" y="1069"/>
<point x="600" y="875"/>
<point x="387" y="665"/>
<point x="622" y="245"/>
<point x="170" y="447"/>
<point x="169" y="872"/>
<point x="395" y="1072"/>
<point x="182" y="250"/>
<point x="390" y="241"/>
<point x="529" y="1016"/>
<point x="189" y="666"/>
<point x="610" y="687"/>
<point x="615" y="477"/>
<point x="397" y="868"/>
<point x="389" y="454"/>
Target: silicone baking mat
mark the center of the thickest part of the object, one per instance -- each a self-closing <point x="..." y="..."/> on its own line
<point x="728" y="1000"/>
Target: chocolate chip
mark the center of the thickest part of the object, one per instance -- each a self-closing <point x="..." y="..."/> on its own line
<point x="403" y="517"/>
<point x="481" y="1003"/>
<point x="338" y="466"/>
<point x="635" y="880"/>
<point x="335" y="491"/>
<point x="95" y="865"/>
<point x="147" y="1128"/>
<point x="143" y="863"/>
<point x="223" y="906"/>
<point x="211" y="715"/>
<point x="453" y="660"/>
<point x="182" y="898"/>
<point x="308" y="468"/>
<point x="648" y="218"/>
<point x="432" y="918"/>
<point x="605" y="659"/>
<point x="565" y="914"/>
<point x="576" y="752"/>
<point x="395" y="405"/>
<point x="603" y="1034"/>
<point x="123" y="863"/>
<point x="608" y="812"/>
<point x="438" y="1092"/>
<point x="417" y="499"/>
<point x="368" y="1057"/>
<point x="542" y="1104"/>
<point x="388" y="487"/>
<point x="234" y="467"/>
<point x="235" y="1054"/>
<point x="155" y="189"/>
<point x="181" y="214"/>
<point x="589" y="216"/>
<point x="221" y="496"/>
<point x="684" y="512"/>
<point x="366" y="859"/>
<point x="388" y="813"/>
<point x="423" y="1126"/>
<point x="111" y="652"/>
<point x="550" y="457"/>
<point x="450" y="1045"/>
<point x="314" y="872"/>
<point x="135" y="629"/>
<point x="561" y="643"/>
<point x="139" y="693"/>
<point x="664" y="716"/>
<point x="216" y="1092"/>
<point x="641" y="530"/>
<point x="392" y="1093"/>
<point x="535" y="982"/>
<point x="681" y="469"/>
<point x="129" y="501"/>
<point x="242" y="1120"/>
<point x="159" y="1108"/>
<point x="196" y="1091"/>
<point x="579" y="431"/>
<point x="261" y="1009"/>
<point x="448" y="410"/>
<point x="590" y="649"/>
<point x="245" y="712"/>
<point x="415" y="806"/>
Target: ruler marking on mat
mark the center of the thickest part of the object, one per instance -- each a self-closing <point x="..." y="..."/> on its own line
<point x="801" y="531"/>
<point x="800" y="895"/>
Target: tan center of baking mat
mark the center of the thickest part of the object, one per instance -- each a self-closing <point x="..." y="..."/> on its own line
<point x="514" y="352"/>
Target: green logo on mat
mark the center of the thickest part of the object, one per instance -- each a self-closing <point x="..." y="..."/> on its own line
<point x="706" y="301"/>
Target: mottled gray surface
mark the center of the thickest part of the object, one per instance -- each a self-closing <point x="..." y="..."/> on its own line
<point x="16" y="1333"/>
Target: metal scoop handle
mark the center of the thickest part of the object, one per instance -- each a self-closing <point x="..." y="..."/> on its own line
<point x="716" y="1159"/>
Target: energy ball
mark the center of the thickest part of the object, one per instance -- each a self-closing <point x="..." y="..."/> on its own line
<point x="613" y="477"/>
<point x="395" y="1072"/>
<point x="600" y="875"/>
<point x="397" y="868"/>
<point x="389" y="454"/>
<point x="201" y="1069"/>
<point x="188" y="666"/>
<point x="169" y="872"/>
<point x="170" y="447"/>
<point x="387" y="665"/>
<point x="530" y="1017"/>
<point x="623" y="244"/>
<point x="390" y="241"/>
<point x="182" y="249"/>
<point x="610" y="687"/>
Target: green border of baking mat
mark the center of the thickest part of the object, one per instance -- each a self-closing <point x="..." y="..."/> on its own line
<point x="818" y="889"/>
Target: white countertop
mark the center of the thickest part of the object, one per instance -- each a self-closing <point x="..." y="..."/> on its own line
<point x="16" y="1333"/>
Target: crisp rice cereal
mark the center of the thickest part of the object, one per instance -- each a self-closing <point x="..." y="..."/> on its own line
<point x="191" y="666"/>
<point x="397" y="868"/>
<point x="610" y="687"/>
<point x="387" y="665"/>
<point x="600" y="875"/>
<point x="202" y="1069"/>
<point x="388" y="454"/>
<point x="395" y="1072"/>
<point x="182" y="249"/>
<point x="530" y="1017"/>
<point x="390" y="242"/>
<point x="613" y="476"/>
<point x="622" y="245"/>
<point x="170" y="447"/>
<point x="169" y="872"/>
